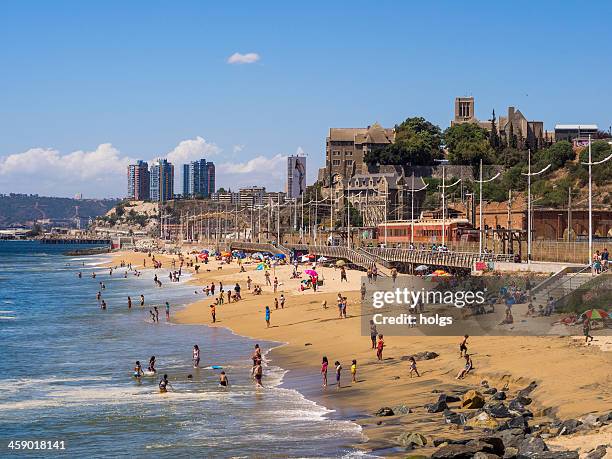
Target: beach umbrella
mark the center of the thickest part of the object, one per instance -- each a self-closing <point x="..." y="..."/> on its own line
<point x="311" y="272"/>
<point x="421" y="268"/>
<point x="304" y="259"/>
<point x="226" y="254"/>
<point x="595" y="314"/>
<point x="340" y="263"/>
<point x="261" y="266"/>
<point x="280" y="256"/>
<point x="203" y="256"/>
<point x="204" y="251"/>
<point x="439" y="272"/>
<point x="322" y="259"/>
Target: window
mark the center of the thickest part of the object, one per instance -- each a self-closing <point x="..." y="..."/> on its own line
<point x="348" y="152"/>
<point x="336" y="153"/>
<point x="336" y="162"/>
<point x="349" y="162"/>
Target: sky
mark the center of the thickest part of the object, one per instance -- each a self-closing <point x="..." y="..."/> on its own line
<point x="88" y="87"/>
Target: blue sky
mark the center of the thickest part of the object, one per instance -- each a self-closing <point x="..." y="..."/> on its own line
<point x="146" y="77"/>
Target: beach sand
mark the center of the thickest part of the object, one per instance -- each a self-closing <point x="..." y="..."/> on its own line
<point x="573" y="379"/>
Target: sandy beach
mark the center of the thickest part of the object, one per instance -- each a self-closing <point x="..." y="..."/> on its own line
<point x="573" y="380"/>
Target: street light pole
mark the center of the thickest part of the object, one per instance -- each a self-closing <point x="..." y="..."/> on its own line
<point x="591" y="164"/>
<point x="412" y="191"/>
<point x="480" y="222"/>
<point x="444" y="186"/>
<point x="529" y="174"/>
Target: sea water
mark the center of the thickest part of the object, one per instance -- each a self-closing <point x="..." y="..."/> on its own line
<point x="66" y="371"/>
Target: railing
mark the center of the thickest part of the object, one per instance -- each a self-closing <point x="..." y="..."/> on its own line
<point x="428" y="257"/>
<point x="565" y="286"/>
<point x="258" y="247"/>
<point x="555" y="277"/>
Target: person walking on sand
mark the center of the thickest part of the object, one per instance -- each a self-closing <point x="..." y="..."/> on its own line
<point x="268" y="316"/>
<point x="379" y="347"/>
<point x="354" y="370"/>
<point x="268" y="278"/>
<point x="586" y="329"/>
<point x="324" y="365"/>
<point x="373" y="333"/>
<point x="374" y="273"/>
<point x="413" y="367"/>
<point x="282" y="301"/>
<point x="212" y="289"/>
<point x="213" y="313"/>
<point x="275" y="284"/>
<point x="363" y="291"/>
<point x="466" y="368"/>
<point x="338" y="372"/>
<point x="249" y="282"/>
<point x="369" y="275"/>
<point x="463" y="346"/>
<point x="394" y="275"/>
<point x="275" y="303"/>
<point x="167" y="311"/>
<point x="343" y="274"/>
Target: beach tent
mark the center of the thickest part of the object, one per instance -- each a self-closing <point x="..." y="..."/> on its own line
<point x="421" y="268"/>
<point x="322" y="259"/>
<point x="262" y="266"/>
<point x="304" y="259"/>
<point x="340" y="263"/>
<point x="280" y="256"/>
<point x="257" y="256"/>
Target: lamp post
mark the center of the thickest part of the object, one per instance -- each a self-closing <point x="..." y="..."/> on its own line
<point x="480" y="222"/>
<point x="412" y="191"/>
<point x="529" y="174"/>
<point x="444" y="186"/>
<point x="592" y="163"/>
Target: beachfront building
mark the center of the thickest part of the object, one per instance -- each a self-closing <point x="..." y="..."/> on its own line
<point x="296" y="176"/>
<point x="162" y="181"/>
<point x="252" y="196"/>
<point x="197" y="178"/>
<point x="138" y="181"/>
<point x="226" y="197"/>
<point x="576" y="133"/>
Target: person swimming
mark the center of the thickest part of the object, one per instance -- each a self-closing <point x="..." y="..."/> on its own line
<point x="138" y="370"/>
<point x="163" y="384"/>
<point x="152" y="364"/>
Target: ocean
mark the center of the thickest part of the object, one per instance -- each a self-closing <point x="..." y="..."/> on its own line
<point x="66" y="372"/>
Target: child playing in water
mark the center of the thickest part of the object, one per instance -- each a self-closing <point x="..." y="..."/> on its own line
<point x="196" y="356"/>
<point x="338" y="371"/>
<point x="354" y="370"/>
<point x="379" y="347"/>
<point x="138" y="370"/>
<point x="163" y="384"/>
<point x="223" y="381"/>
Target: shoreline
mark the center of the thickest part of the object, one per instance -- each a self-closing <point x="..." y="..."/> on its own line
<point x="299" y="352"/>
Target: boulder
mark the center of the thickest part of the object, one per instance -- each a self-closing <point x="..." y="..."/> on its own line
<point x="497" y="410"/>
<point x="496" y="443"/>
<point x="531" y="446"/>
<point x="450" y="417"/>
<point x="597" y="453"/>
<point x="523" y="399"/>
<point x="490" y="391"/>
<point x="437" y="407"/>
<point x="569" y="426"/>
<point x="590" y="421"/>
<point x="518" y="422"/>
<point x="527" y="390"/>
<point x="501" y="395"/>
<point x="466" y="451"/>
<point x="448" y="398"/>
<point x="604" y="418"/>
<point x="425" y="355"/>
<point x="472" y="400"/>
<point x="448" y="441"/>
<point x="385" y="411"/>
<point x="411" y="440"/>
<point x="483" y="421"/>
<point x="481" y="455"/>
<point x="401" y="409"/>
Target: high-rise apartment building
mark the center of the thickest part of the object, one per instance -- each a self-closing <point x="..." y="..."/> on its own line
<point x="138" y="181"/>
<point x="198" y="179"/>
<point x="296" y="176"/>
<point x="162" y="181"/>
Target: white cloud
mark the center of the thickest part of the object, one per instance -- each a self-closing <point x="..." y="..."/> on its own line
<point x="238" y="58"/>
<point x="238" y="148"/>
<point x="261" y="170"/>
<point x="190" y="150"/>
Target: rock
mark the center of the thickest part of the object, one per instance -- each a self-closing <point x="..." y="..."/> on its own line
<point x="531" y="446"/>
<point x="481" y="455"/>
<point x="510" y="452"/>
<point x="437" y="407"/>
<point x="448" y="441"/>
<point x="450" y="417"/>
<point x="483" y="421"/>
<point x="466" y="451"/>
<point x="511" y="438"/>
<point x="501" y="395"/>
<point x="448" y="398"/>
<point x="569" y="426"/>
<point x="604" y="418"/>
<point x="527" y="390"/>
<point x="497" y="410"/>
<point x="385" y="411"/>
<point x="426" y="355"/>
<point x="411" y="439"/>
<point x="518" y="422"/>
<point x="497" y="444"/>
<point x="401" y="409"/>
<point x="472" y="399"/>
<point x="590" y="421"/>
<point x="597" y="453"/>
<point x="490" y="391"/>
<point x="307" y="344"/>
<point x="523" y="399"/>
<point x="484" y="383"/>
<point x="552" y="455"/>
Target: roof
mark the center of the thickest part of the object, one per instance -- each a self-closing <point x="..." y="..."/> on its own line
<point x="372" y="134"/>
<point x="577" y="126"/>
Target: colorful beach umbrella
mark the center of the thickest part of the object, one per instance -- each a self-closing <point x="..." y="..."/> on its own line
<point x="595" y="314"/>
<point x="311" y="272"/>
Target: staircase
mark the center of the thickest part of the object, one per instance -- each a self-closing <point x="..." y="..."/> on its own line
<point x="563" y="283"/>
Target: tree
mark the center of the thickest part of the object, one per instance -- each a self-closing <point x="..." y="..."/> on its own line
<point x="512" y="141"/>
<point x="417" y="142"/>
<point x="467" y="144"/>
<point x="556" y="155"/>
<point x="600" y="150"/>
<point x="494" y="136"/>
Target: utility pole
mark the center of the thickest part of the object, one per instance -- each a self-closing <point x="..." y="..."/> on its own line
<point x="278" y="222"/>
<point x="444" y="187"/>
<point x="412" y="191"/>
<point x="480" y="219"/>
<point x="569" y="213"/>
<point x="529" y="174"/>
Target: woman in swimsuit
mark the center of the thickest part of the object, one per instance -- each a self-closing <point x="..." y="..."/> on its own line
<point x="324" y="366"/>
<point x="138" y="370"/>
<point x="152" y="364"/>
<point x="163" y="384"/>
